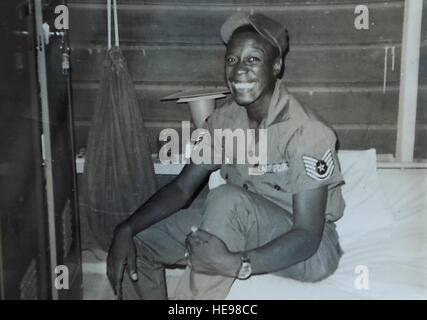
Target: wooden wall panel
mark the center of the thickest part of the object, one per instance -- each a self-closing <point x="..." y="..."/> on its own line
<point x="148" y="95"/>
<point x="171" y="45"/>
<point x="339" y="105"/>
<point x="196" y="24"/>
<point x="204" y="64"/>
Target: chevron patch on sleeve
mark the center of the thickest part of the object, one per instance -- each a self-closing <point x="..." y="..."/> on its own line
<point x="319" y="169"/>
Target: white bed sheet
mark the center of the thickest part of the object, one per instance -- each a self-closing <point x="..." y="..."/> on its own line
<point x="395" y="255"/>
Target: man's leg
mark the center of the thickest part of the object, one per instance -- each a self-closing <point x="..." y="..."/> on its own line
<point x="158" y="246"/>
<point x="245" y="220"/>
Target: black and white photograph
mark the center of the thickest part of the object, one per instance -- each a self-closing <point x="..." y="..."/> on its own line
<point x="235" y="150"/>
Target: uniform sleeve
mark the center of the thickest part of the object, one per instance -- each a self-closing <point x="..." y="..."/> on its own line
<point x="312" y="158"/>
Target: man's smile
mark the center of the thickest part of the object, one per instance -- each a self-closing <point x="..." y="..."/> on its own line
<point x="243" y="86"/>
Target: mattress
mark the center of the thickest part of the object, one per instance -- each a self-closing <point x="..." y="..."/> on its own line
<point x="383" y="234"/>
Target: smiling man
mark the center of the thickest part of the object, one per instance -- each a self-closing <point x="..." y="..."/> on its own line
<point x="281" y="221"/>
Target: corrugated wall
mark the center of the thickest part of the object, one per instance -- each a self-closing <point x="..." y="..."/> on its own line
<point x="171" y="45"/>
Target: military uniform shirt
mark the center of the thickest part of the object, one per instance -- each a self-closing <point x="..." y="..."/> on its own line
<point x="301" y="153"/>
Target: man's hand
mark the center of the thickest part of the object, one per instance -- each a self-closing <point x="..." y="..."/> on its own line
<point x="122" y="251"/>
<point x="210" y="255"/>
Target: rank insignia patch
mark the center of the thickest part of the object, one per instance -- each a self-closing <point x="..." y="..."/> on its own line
<point x="319" y="169"/>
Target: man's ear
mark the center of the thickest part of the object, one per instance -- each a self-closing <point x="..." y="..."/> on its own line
<point x="277" y="66"/>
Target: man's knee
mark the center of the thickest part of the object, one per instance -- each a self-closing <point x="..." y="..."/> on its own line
<point x="228" y="215"/>
<point x="151" y="246"/>
<point x="225" y="198"/>
<point x="163" y="242"/>
<point x="143" y="248"/>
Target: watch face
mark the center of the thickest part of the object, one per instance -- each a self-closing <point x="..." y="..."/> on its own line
<point x="245" y="271"/>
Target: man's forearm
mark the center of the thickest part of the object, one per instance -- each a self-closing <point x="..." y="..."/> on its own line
<point x="167" y="200"/>
<point x="295" y="246"/>
<point x="161" y="205"/>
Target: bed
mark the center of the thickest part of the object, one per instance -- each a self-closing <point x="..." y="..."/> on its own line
<point x="383" y="234"/>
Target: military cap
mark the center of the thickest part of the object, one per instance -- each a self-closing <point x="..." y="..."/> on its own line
<point x="273" y="31"/>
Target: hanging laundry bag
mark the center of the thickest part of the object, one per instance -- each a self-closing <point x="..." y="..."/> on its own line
<point x="119" y="173"/>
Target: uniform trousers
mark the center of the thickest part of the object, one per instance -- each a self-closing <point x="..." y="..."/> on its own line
<point x="244" y="220"/>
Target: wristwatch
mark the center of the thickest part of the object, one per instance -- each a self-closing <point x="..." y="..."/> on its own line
<point x="246" y="268"/>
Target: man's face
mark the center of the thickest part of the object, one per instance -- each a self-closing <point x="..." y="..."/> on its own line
<point x="249" y="71"/>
